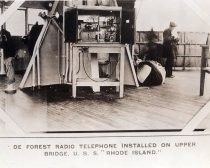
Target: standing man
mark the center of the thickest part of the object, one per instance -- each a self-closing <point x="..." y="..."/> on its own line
<point x="9" y="55"/>
<point x="170" y="40"/>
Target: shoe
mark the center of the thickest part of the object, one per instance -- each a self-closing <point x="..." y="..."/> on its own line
<point x="10" y="89"/>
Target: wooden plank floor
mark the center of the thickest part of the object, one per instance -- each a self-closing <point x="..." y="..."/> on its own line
<point x="170" y="106"/>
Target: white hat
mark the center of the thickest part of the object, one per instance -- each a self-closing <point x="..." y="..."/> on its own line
<point x="173" y="24"/>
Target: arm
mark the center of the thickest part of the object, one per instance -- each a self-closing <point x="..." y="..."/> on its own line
<point x="167" y="36"/>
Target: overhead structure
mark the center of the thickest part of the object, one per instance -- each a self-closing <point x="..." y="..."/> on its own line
<point x="70" y="52"/>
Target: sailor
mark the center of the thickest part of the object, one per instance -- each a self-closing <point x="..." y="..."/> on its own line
<point x="170" y="40"/>
<point x="9" y="57"/>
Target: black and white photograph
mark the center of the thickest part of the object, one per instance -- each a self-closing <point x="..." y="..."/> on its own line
<point x="124" y="82"/>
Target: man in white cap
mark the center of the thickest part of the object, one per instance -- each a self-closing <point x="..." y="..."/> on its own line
<point x="170" y="40"/>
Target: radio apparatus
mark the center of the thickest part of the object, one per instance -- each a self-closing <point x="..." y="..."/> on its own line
<point x="94" y="26"/>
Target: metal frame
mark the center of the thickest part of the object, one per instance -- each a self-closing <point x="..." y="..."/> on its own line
<point x="32" y="64"/>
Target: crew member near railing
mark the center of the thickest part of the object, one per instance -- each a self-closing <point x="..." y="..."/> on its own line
<point x="9" y="57"/>
<point x="170" y="40"/>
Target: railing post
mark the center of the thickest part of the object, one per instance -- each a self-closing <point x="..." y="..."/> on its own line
<point x="184" y="52"/>
<point x="204" y="56"/>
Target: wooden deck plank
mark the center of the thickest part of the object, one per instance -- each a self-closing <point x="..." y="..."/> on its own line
<point x="169" y="106"/>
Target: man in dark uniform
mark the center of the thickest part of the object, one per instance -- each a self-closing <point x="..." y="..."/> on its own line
<point x="9" y="55"/>
<point x="170" y="48"/>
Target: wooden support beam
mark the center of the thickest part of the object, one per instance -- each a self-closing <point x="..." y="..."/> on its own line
<point x="67" y="46"/>
<point x="122" y="69"/>
<point x="59" y="28"/>
<point x="42" y="35"/>
<point x="132" y="65"/>
<point x="34" y="72"/>
<point x="95" y="70"/>
<point x="74" y="74"/>
<point x="55" y="4"/>
<point x="26" y="21"/>
<point x="202" y="81"/>
<point x="204" y="68"/>
<point x="33" y="58"/>
<point x="38" y="69"/>
<point x="70" y="58"/>
<point x="59" y="56"/>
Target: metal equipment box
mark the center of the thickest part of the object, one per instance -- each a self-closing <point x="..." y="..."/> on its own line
<point x="93" y="24"/>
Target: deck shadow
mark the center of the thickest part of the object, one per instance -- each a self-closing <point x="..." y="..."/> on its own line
<point x="59" y="93"/>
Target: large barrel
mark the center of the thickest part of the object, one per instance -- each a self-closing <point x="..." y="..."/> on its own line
<point x="150" y="73"/>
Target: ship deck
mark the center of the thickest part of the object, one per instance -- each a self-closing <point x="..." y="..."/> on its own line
<point x="52" y="109"/>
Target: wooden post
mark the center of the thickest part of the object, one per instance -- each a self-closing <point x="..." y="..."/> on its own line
<point x="38" y="69"/>
<point x="74" y="77"/>
<point x="67" y="62"/>
<point x="204" y="56"/>
<point x="95" y="70"/>
<point x="131" y="65"/>
<point x="122" y="63"/>
<point x="34" y="73"/>
<point x="59" y="59"/>
<point x="184" y="52"/>
<point x="70" y="60"/>
<point x="55" y="4"/>
<point x="26" y="21"/>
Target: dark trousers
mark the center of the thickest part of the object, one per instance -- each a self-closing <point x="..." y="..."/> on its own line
<point x="169" y="66"/>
